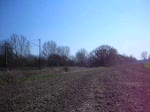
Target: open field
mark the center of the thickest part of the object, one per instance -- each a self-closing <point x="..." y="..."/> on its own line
<point x="111" y="89"/>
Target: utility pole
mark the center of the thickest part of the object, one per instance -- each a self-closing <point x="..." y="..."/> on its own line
<point x="6" y="63"/>
<point x="40" y="64"/>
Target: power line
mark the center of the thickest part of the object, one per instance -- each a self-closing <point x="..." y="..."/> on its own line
<point x="6" y="51"/>
<point x="40" y="64"/>
<point x="33" y="40"/>
<point x="34" y="44"/>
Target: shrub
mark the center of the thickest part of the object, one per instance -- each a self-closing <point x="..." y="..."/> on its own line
<point x="66" y="68"/>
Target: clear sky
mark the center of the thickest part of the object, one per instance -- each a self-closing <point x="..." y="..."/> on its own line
<point x="123" y="24"/>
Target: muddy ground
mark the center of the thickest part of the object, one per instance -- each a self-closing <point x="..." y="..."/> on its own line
<point x="112" y="89"/>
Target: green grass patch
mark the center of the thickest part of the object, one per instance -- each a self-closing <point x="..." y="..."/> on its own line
<point x="147" y="65"/>
<point x="25" y="79"/>
<point x="7" y="79"/>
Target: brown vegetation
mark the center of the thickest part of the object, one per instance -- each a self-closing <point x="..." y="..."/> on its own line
<point x="116" y="89"/>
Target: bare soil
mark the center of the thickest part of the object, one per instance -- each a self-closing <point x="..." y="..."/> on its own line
<point x="112" y="89"/>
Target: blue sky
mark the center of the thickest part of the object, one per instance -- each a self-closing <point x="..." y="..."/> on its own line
<point x="123" y="24"/>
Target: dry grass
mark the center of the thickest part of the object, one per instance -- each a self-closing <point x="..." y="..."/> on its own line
<point x="22" y="75"/>
<point x="114" y="89"/>
<point x="147" y="65"/>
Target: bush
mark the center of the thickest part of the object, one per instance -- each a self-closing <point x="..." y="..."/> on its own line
<point x="66" y="68"/>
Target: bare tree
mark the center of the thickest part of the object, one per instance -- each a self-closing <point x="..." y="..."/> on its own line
<point x="144" y="55"/>
<point x="21" y="49"/>
<point x="81" y="57"/>
<point x="49" y="48"/>
<point x="20" y="45"/>
<point x="63" y="51"/>
<point x="61" y="58"/>
<point x="55" y="56"/>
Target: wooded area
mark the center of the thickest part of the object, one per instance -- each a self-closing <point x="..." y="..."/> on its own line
<point x="16" y="52"/>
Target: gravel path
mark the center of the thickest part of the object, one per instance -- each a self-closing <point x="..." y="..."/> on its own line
<point x="115" y="89"/>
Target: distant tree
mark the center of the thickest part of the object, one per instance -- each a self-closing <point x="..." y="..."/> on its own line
<point x="32" y="61"/>
<point x="91" y="59"/>
<point x="124" y="59"/>
<point x="103" y="56"/>
<point x="81" y="57"/>
<point x="144" y="55"/>
<point x="72" y="60"/>
<point x="20" y="45"/>
<point x="21" y="49"/>
<point x="57" y="60"/>
<point x="149" y="57"/>
<point x="63" y="51"/>
<point x="55" y="56"/>
<point x="49" y="48"/>
<point x="6" y="53"/>
<point x="131" y="59"/>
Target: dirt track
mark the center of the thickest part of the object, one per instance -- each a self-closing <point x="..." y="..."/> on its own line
<point x="115" y="89"/>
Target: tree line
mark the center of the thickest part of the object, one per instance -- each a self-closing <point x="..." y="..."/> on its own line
<point x="16" y="52"/>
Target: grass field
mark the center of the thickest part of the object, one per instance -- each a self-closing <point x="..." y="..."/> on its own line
<point x="22" y="75"/>
<point x="109" y="89"/>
